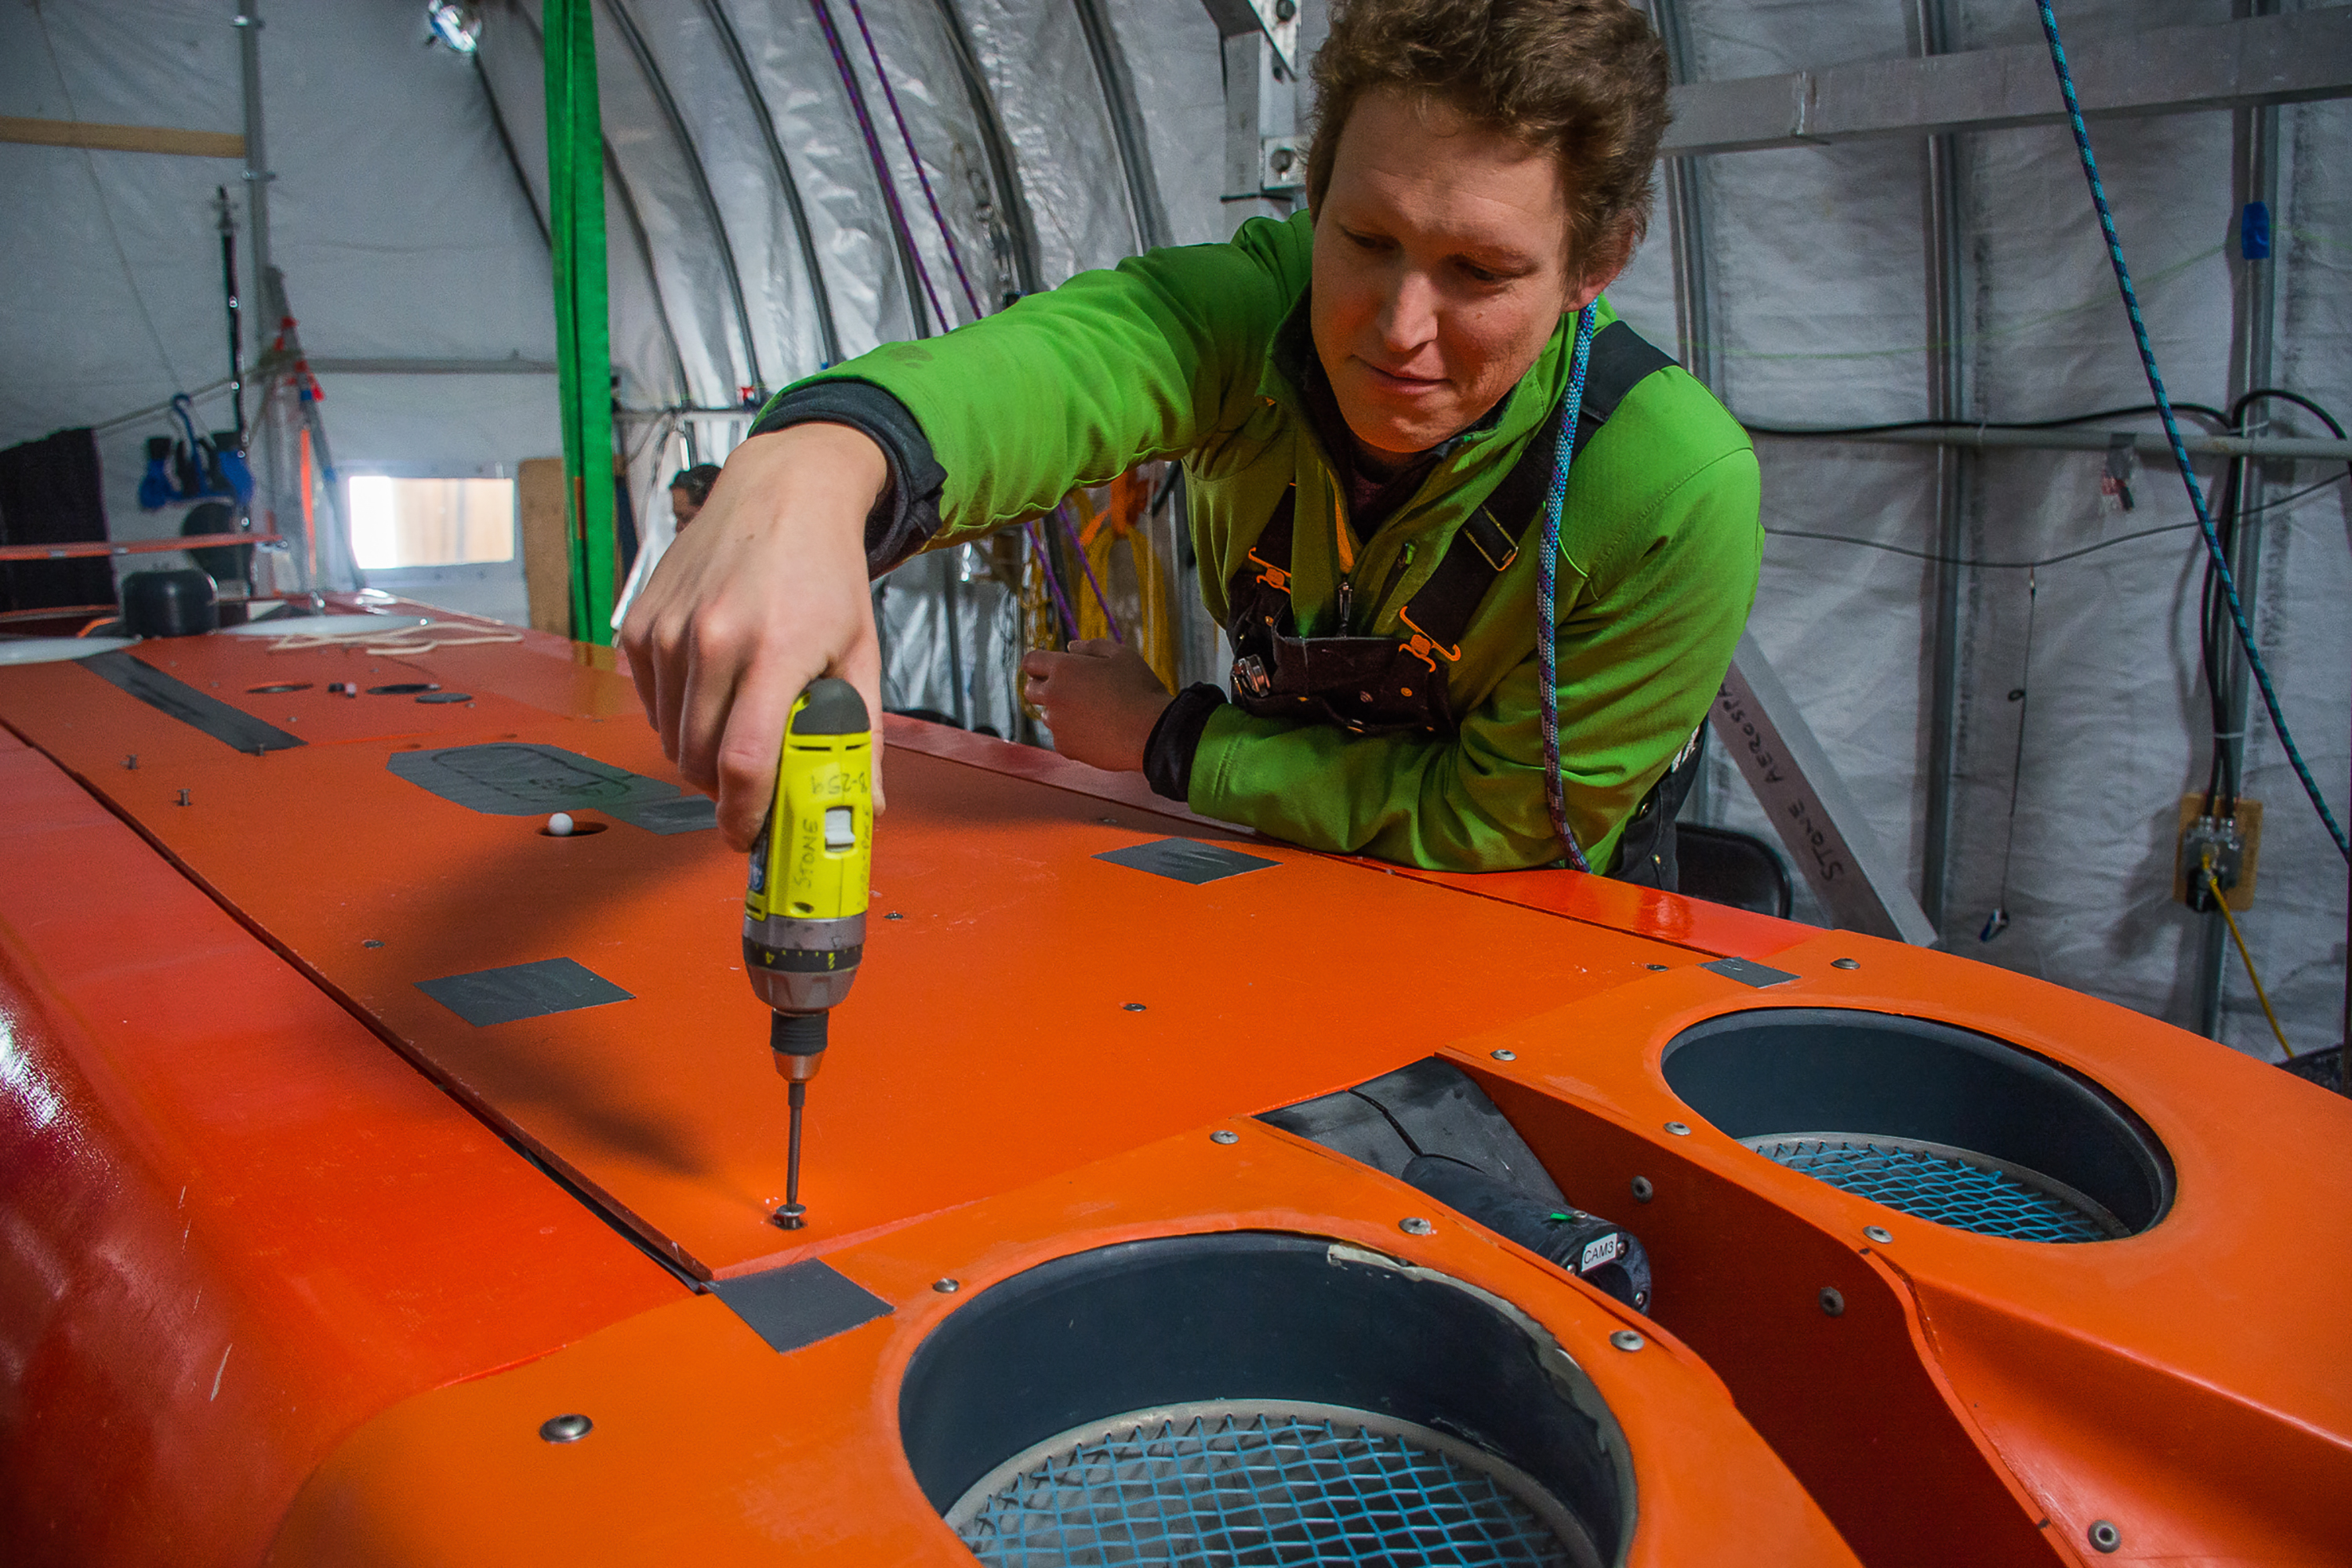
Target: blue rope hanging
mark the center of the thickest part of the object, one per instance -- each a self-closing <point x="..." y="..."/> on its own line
<point x="1546" y="589"/>
<point x="2172" y="432"/>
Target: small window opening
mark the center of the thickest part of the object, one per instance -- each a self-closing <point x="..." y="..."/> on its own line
<point x="430" y="522"/>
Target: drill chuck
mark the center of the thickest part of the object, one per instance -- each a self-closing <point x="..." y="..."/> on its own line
<point x="798" y="1040"/>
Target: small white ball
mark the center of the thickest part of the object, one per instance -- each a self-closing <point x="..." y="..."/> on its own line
<point x="560" y="824"/>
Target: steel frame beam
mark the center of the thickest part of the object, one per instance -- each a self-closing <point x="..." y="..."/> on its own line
<point x="2294" y="58"/>
<point x="2254" y="313"/>
<point x="1947" y="630"/>
<point x="1687" y="219"/>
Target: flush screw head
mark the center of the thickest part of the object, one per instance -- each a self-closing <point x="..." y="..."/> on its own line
<point x="1224" y="1135"/>
<point x="1679" y="1129"/>
<point x="1642" y="1190"/>
<point x="1506" y="1055"/>
<point x="566" y="1428"/>
<point x="2106" y="1536"/>
<point x="1415" y="1225"/>
<point x="947" y="1287"/>
<point x="1878" y="1233"/>
<point x="1655" y="968"/>
<point x="370" y="942"/>
<point x="1627" y="1339"/>
<point x="1832" y="1302"/>
<point x="1132" y="1007"/>
<point x="894" y="915"/>
<point x="1845" y="963"/>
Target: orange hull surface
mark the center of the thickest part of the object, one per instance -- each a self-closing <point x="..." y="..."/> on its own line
<point x="352" y="1126"/>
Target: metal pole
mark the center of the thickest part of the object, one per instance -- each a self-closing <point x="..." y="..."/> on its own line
<point x="2152" y="444"/>
<point x="1947" y="395"/>
<point x="256" y="160"/>
<point x="1693" y="299"/>
<point x="236" y="322"/>
<point x="1687" y="220"/>
<point x="2255" y="304"/>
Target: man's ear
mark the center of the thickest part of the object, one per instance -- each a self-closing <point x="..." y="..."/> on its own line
<point x="1608" y="261"/>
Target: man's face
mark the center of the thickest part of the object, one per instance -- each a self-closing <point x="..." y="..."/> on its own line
<point x="682" y="508"/>
<point x="1439" y="269"/>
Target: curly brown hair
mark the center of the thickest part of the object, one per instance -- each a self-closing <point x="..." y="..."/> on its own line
<point x="1584" y="80"/>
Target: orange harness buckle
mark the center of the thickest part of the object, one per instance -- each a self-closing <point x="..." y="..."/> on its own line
<point x="1272" y="576"/>
<point x="1420" y="644"/>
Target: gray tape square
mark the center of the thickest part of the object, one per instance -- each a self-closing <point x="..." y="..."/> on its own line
<point x="684" y="813"/>
<point x="1186" y="860"/>
<point x="1748" y="972"/>
<point x="509" y="778"/>
<point x="518" y="991"/>
<point x="801" y="1304"/>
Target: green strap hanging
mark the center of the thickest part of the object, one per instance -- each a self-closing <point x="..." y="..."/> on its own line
<point x="583" y="342"/>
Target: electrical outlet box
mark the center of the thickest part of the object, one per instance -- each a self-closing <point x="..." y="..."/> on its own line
<point x="2245" y="827"/>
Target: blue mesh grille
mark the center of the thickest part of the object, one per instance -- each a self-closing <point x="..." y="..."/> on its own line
<point x="1254" y="1488"/>
<point x="1936" y="1184"/>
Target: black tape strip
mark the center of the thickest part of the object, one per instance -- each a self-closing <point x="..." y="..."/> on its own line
<point x="1748" y="972"/>
<point x="801" y="1304"/>
<point x="166" y="694"/>
<point x="533" y="990"/>
<point x="1186" y="860"/>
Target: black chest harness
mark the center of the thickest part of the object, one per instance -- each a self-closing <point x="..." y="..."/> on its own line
<point x="1383" y="684"/>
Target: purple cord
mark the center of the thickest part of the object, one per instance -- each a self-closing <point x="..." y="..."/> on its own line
<point x="890" y="96"/>
<point x="1062" y="512"/>
<point x="1037" y="545"/>
<point x="881" y="162"/>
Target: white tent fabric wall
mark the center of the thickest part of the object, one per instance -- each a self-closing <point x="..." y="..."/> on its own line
<point x="394" y="218"/>
<point x="1819" y="313"/>
<point x="403" y="233"/>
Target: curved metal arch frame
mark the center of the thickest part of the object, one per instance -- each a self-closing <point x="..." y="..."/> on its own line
<point x="1687" y="220"/>
<point x="514" y="159"/>
<point x="901" y="245"/>
<point x="658" y="86"/>
<point x="637" y="223"/>
<point x="1126" y="123"/>
<point x="829" y="330"/>
<point x="996" y="145"/>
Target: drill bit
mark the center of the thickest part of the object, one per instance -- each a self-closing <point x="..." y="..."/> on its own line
<point x="793" y="1215"/>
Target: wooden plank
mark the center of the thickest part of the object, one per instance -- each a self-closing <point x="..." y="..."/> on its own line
<point x="546" y="544"/>
<point x="121" y="138"/>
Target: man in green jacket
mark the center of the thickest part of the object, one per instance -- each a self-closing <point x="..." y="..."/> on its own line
<point x="1367" y="406"/>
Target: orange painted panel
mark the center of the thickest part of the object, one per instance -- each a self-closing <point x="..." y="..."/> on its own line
<point x="1024" y="1006"/>
<point x="711" y="1447"/>
<point x="232" y="1225"/>
<point x="2182" y="1383"/>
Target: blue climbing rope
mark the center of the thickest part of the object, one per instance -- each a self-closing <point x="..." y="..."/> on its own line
<point x="1546" y="587"/>
<point x="2172" y="431"/>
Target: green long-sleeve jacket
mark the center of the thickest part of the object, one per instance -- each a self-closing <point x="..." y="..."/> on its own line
<point x="1198" y="353"/>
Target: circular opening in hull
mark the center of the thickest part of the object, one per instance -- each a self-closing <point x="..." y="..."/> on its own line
<point x="1258" y="1398"/>
<point x="1937" y="1121"/>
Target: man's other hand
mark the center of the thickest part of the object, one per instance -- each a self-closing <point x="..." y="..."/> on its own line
<point x="765" y="592"/>
<point x="1100" y="700"/>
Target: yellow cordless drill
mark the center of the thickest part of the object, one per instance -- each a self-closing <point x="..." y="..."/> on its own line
<point x="805" y="912"/>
